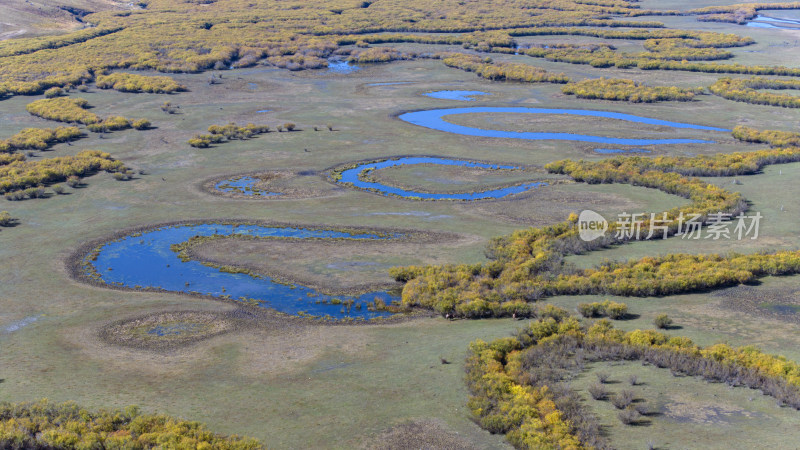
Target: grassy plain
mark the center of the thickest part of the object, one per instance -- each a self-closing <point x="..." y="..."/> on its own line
<point x="343" y="386"/>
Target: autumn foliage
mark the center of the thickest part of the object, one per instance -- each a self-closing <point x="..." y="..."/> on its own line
<point x="47" y="425"/>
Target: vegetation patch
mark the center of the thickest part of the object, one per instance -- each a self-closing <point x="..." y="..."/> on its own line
<point x="129" y="82"/>
<point x="231" y="132"/>
<point x="282" y="184"/>
<point x="746" y="90"/>
<point x="74" y="110"/>
<point x="331" y="266"/>
<point x="168" y="330"/>
<point x="47" y="425"/>
<point x="518" y="388"/>
<point x="529" y="265"/>
<point x="498" y="71"/>
<point x="626" y="90"/>
<point x="428" y="434"/>
<point x="39" y="138"/>
<point x="21" y="174"/>
<point x="773" y="303"/>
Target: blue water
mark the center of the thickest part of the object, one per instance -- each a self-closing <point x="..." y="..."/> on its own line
<point x="243" y="185"/>
<point x="146" y="260"/>
<point x="341" y="67"/>
<point x="264" y="111"/>
<point x="463" y="96"/>
<point x="773" y="22"/>
<point x="433" y="119"/>
<point x="352" y="176"/>
<point x="611" y="151"/>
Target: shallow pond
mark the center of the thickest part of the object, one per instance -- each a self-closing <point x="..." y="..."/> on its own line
<point x="176" y="329"/>
<point x="433" y="119"/>
<point x="341" y="67"/>
<point x="353" y="176"/>
<point x="146" y="260"/>
<point x="244" y="185"/>
<point x="463" y="96"/>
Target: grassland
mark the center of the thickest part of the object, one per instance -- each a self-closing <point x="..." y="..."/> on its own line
<point x="295" y="385"/>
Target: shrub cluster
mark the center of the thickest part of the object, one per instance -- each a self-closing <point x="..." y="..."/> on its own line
<point x="499" y="71"/>
<point x="46" y="425"/>
<point x="128" y="82"/>
<point x="746" y="90"/>
<point x="626" y="90"/>
<point x="63" y="109"/>
<point x="20" y="175"/>
<point x="771" y="137"/>
<point x="73" y="110"/>
<point x="230" y="132"/>
<point x="39" y="138"/>
<point x="516" y="383"/>
<point x="6" y="220"/>
<point x="607" y="308"/>
<point x="528" y="264"/>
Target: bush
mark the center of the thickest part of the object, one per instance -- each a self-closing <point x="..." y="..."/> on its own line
<point x="629" y="416"/>
<point x="141" y="124"/>
<point x="589" y="309"/>
<point x="289" y="126"/>
<point x="615" y="310"/>
<point x="598" y="391"/>
<point x="169" y="108"/>
<point x="622" y="399"/>
<point x="602" y="377"/>
<point x="662" y="321"/>
<point x="73" y="181"/>
<point x="58" y="189"/>
<point x="54" y="92"/>
<point x="5" y="219"/>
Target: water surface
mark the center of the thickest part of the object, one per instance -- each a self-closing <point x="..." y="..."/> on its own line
<point x="463" y="96"/>
<point x="434" y="119"/>
<point x="244" y="185"/>
<point x="343" y="67"/>
<point x="353" y="176"/>
<point x="146" y="260"/>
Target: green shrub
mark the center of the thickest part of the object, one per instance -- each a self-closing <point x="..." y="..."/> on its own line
<point x="662" y="321"/>
<point x="54" y="92"/>
<point x="141" y="124"/>
<point x="5" y="219"/>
